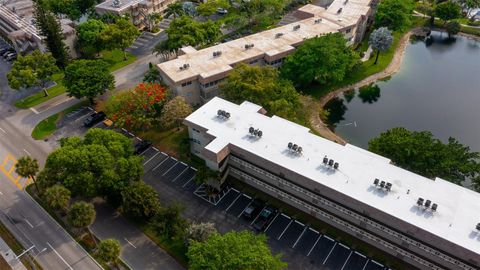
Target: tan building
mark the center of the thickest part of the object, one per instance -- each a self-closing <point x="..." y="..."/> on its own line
<point x="195" y="74"/>
<point x="430" y="224"/>
<point x="137" y="9"/>
<point x="16" y="25"/>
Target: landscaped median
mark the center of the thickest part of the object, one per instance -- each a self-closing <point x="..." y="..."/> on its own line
<point x="113" y="58"/>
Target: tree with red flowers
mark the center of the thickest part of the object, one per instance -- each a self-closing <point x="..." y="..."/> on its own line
<point x="138" y="109"/>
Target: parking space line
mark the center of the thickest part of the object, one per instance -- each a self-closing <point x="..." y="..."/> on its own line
<point x="178" y="175"/>
<point x="188" y="181"/>
<point x="299" y="223"/>
<point x="174" y="158"/>
<point x="343" y="245"/>
<point x="329" y="238"/>
<point x="298" y="239"/>
<point x="194" y="169"/>
<point x="318" y="239"/>
<point x="159" y="164"/>
<point x="240" y="194"/>
<point x="131" y="134"/>
<point x="184" y="163"/>
<point x="151" y="158"/>
<point x="175" y="164"/>
<point x="365" y="265"/>
<point x="81" y="117"/>
<point x="324" y="261"/>
<point x="245" y="206"/>
<point x="271" y="222"/>
<point x="138" y="138"/>
<point x="258" y="215"/>
<point x="154" y="148"/>
<point x="312" y="229"/>
<point x="285" y="216"/>
<point x="61" y="258"/>
<point x="351" y="252"/>
<point x="284" y="230"/>
<point x="1" y="129"/>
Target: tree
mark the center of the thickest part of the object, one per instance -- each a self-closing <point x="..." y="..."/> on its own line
<point x="453" y="28"/>
<point x="120" y="35"/>
<point x="447" y="11"/>
<point x="31" y="70"/>
<point x="27" y="167"/>
<point x="263" y="86"/>
<point x="140" y="201"/>
<point x="175" y="10"/>
<point x="102" y="164"/>
<point x="210" y="7"/>
<point x="381" y="40"/>
<point x="200" y="232"/>
<point x="81" y="215"/>
<point x="394" y="14"/>
<point x="233" y="250"/>
<point x="169" y="223"/>
<point x="185" y="31"/>
<point x="88" y="78"/>
<point x="57" y="197"/>
<point x="50" y="27"/>
<point x="89" y="35"/>
<point x="74" y="9"/>
<point x="421" y="153"/>
<point x="325" y="59"/>
<point x="174" y="111"/>
<point x="152" y="75"/>
<point x="152" y="20"/>
<point x="138" y="109"/>
<point x="109" y="250"/>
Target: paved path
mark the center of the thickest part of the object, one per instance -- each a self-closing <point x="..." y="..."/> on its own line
<point x="316" y="122"/>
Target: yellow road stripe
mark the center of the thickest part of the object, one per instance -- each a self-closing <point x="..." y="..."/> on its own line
<point x="8" y="173"/>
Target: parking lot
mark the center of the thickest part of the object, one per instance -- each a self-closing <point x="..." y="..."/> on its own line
<point x="302" y="246"/>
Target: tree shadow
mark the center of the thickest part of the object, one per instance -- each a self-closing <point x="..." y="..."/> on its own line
<point x="369" y="94"/>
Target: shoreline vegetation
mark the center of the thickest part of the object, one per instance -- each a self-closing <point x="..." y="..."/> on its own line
<point x="316" y="118"/>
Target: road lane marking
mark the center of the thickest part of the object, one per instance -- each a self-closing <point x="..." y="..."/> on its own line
<point x="33" y="110"/>
<point x="1" y="129"/>
<point x="61" y="258"/>
<point x="8" y="172"/>
<point x="1" y="193"/>
<point x="28" y="222"/>
<point x="28" y="153"/>
<point x="129" y="242"/>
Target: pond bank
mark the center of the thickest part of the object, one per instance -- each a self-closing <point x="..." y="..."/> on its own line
<point x="315" y="120"/>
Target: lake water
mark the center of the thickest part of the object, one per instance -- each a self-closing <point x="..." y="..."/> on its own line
<point x="437" y="89"/>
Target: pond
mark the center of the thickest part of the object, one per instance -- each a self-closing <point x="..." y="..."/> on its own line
<point x="437" y="89"/>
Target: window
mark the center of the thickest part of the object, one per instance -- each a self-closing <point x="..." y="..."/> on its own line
<point x="253" y="62"/>
<point x="348" y="30"/>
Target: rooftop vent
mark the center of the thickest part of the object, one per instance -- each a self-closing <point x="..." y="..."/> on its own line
<point x="339" y="10"/>
<point x="428" y="203"/>
<point x="382" y="184"/>
<point x="434" y="207"/>
<point x="185" y="66"/>
<point x="249" y="46"/>
<point x="420" y="202"/>
<point x="335" y="165"/>
<point x="224" y="114"/>
<point x="217" y="53"/>
<point x="478" y="226"/>
<point x="376" y="181"/>
<point x="255" y="132"/>
<point x="277" y="35"/>
<point x="330" y="162"/>
<point x="318" y="20"/>
<point x="296" y="27"/>
<point x="388" y="187"/>
<point x="325" y="160"/>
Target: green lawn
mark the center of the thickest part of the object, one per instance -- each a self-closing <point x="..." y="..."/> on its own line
<point x="48" y="126"/>
<point x="114" y="58"/>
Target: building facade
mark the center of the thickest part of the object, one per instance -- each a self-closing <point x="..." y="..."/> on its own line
<point x="136" y="9"/>
<point x="196" y="74"/>
<point x="363" y="194"/>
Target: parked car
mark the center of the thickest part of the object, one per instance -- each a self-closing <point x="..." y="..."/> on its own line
<point x="141" y="147"/>
<point x="94" y="118"/>
<point x="252" y="210"/>
<point x="222" y="11"/>
<point x="11" y="57"/>
<point x="7" y="52"/>
<point x="4" y="50"/>
<point x="265" y="217"/>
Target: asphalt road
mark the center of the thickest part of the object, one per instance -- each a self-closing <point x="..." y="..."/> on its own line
<point x="54" y="248"/>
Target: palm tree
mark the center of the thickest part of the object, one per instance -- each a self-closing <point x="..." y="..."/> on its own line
<point x="81" y="215"/>
<point x="27" y="167"/>
<point x="175" y="9"/>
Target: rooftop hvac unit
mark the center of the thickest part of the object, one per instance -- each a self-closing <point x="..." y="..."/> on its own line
<point x="382" y="184"/>
<point x="251" y="130"/>
<point x="434" y="207"/>
<point x="336" y="165"/>
<point x="478" y="226"/>
<point x="217" y="53"/>
<point x="223" y="113"/>
<point x="330" y="162"/>
<point x="290" y="145"/>
<point x="339" y="10"/>
<point x="388" y="187"/>
<point x="296" y="27"/>
<point x="376" y="181"/>
<point x="300" y="150"/>
<point x="325" y="160"/>
<point x="318" y="20"/>
<point x="259" y="134"/>
<point x="427" y="203"/>
<point x="277" y="35"/>
<point x="295" y="147"/>
<point x="249" y="46"/>
<point x="185" y="66"/>
<point x="420" y="201"/>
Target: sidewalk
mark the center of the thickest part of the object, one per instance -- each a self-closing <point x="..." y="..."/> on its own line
<point x="7" y="258"/>
<point x="138" y="251"/>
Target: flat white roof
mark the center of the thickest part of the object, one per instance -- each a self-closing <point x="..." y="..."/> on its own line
<point x="124" y="4"/>
<point x="458" y="207"/>
<point x="203" y="64"/>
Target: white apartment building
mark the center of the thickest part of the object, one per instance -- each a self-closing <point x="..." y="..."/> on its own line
<point x="430" y="224"/>
<point x="195" y="74"/>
